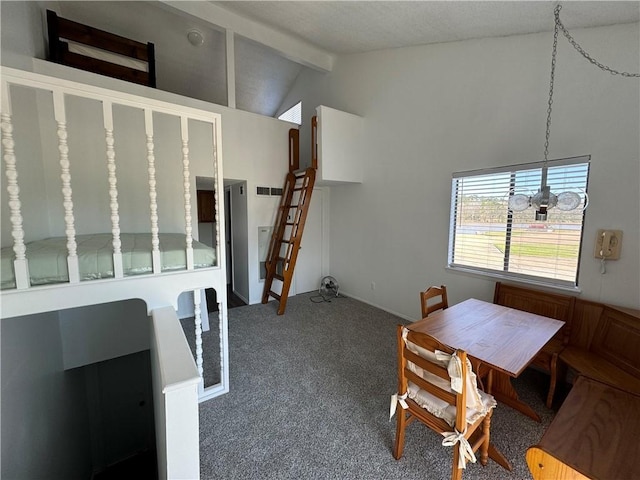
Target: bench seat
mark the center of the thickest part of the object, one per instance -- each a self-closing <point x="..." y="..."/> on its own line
<point x="596" y="367"/>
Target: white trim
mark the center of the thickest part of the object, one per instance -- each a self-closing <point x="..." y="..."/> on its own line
<point x="525" y="281"/>
<point x="523" y="166"/>
<point x="230" y="46"/>
<point x="392" y="312"/>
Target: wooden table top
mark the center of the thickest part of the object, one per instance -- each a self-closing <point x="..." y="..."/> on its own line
<point x="501" y="337"/>
<point x="596" y="431"/>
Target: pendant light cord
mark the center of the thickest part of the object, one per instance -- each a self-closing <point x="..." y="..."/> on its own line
<point x="580" y="50"/>
<point x="559" y="26"/>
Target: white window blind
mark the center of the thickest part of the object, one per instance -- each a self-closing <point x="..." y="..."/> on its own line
<point x="485" y="237"/>
<point x="293" y="115"/>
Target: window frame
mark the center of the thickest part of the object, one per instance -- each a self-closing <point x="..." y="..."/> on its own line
<point x="554" y="283"/>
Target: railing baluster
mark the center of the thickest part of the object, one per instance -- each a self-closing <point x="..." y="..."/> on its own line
<point x="216" y="193"/>
<point x="67" y="194"/>
<point x="107" y="115"/>
<point x="20" y="265"/>
<point x="151" y="160"/>
<point x="224" y="367"/>
<point x="197" y="297"/>
<point x="184" y="127"/>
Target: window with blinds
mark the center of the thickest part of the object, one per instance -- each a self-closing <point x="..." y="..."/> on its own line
<point x="486" y="237"/>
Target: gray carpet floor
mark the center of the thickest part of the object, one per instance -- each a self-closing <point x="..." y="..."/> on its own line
<point x="309" y="399"/>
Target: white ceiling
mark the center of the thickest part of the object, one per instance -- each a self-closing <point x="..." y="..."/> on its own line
<point x="355" y="26"/>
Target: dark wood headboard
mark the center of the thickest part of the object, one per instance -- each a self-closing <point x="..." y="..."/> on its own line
<point x="103" y="46"/>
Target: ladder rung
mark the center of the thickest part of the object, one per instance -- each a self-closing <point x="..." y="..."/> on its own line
<point x="278" y="276"/>
<point x="290" y="224"/>
<point x="299" y="189"/>
<point x="301" y="175"/>
<point x="287" y="241"/>
<point x="288" y="207"/>
<point x="274" y="295"/>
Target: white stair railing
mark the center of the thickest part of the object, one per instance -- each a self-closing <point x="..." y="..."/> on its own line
<point x="175" y="381"/>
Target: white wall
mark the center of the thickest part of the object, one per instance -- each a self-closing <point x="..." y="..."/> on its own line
<point x="45" y="431"/>
<point x="101" y="332"/>
<point x="433" y="110"/>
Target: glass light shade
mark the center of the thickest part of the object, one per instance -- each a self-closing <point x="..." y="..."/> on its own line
<point x="519" y="202"/>
<point x="568" y="201"/>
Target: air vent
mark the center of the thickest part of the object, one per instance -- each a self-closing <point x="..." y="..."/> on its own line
<point x="263" y="190"/>
<point x="276" y="191"/>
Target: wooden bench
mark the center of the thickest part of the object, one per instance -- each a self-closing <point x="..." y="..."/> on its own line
<point x="598" y="340"/>
<point x="594" y="435"/>
<point x="604" y="344"/>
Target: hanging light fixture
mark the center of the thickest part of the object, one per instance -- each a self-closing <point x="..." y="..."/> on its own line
<point x="544" y="199"/>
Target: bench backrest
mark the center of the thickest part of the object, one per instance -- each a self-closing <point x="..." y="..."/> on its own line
<point x="617" y="338"/>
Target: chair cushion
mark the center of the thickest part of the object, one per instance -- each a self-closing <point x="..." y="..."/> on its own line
<point x="478" y="402"/>
<point x="447" y="412"/>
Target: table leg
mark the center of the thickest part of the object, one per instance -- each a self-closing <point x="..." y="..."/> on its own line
<point x="497" y="456"/>
<point x="503" y="391"/>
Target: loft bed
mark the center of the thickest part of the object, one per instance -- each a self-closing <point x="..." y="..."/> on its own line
<point x="80" y="161"/>
<point x="88" y="48"/>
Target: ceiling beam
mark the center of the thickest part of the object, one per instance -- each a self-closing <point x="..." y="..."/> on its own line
<point x="288" y="46"/>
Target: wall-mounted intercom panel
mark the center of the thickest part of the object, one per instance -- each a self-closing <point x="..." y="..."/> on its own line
<point x="608" y="244"/>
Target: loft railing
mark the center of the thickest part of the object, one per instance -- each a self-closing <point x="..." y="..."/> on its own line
<point x="60" y="90"/>
<point x="156" y="288"/>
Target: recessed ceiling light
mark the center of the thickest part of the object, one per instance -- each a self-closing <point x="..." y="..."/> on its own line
<point x="195" y="38"/>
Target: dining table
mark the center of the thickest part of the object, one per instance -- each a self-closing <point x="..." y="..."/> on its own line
<point x="500" y="342"/>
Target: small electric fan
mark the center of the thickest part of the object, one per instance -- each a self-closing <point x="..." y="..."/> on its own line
<point x="328" y="287"/>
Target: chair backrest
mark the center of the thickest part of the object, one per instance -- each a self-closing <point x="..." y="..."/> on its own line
<point x="429" y="306"/>
<point x="419" y="363"/>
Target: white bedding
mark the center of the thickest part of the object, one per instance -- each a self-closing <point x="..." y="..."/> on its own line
<point x="48" y="258"/>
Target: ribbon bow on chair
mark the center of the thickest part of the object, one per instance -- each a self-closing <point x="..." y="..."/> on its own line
<point x="395" y="398"/>
<point x="466" y="452"/>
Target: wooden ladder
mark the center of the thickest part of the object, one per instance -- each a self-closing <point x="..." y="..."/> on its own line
<point x="287" y="234"/>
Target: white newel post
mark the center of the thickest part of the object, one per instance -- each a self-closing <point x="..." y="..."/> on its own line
<point x="184" y="127"/>
<point x="107" y="114"/>
<point x="151" y="160"/>
<point x="69" y="220"/>
<point x="198" y="328"/>
<point x="20" y="264"/>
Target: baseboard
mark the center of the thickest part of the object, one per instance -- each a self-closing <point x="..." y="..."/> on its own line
<point x="397" y="314"/>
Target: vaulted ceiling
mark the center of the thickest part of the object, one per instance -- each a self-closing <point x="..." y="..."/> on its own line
<point x="354" y="26"/>
<point x="275" y="40"/>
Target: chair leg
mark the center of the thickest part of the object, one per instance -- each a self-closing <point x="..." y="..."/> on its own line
<point x="400" y="426"/>
<point x="486" y="433"/>
<point x="456" y="473"/>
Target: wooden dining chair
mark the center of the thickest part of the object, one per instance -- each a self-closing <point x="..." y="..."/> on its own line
<point x="437" y="386"/>
<point x="430" y="293"/>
